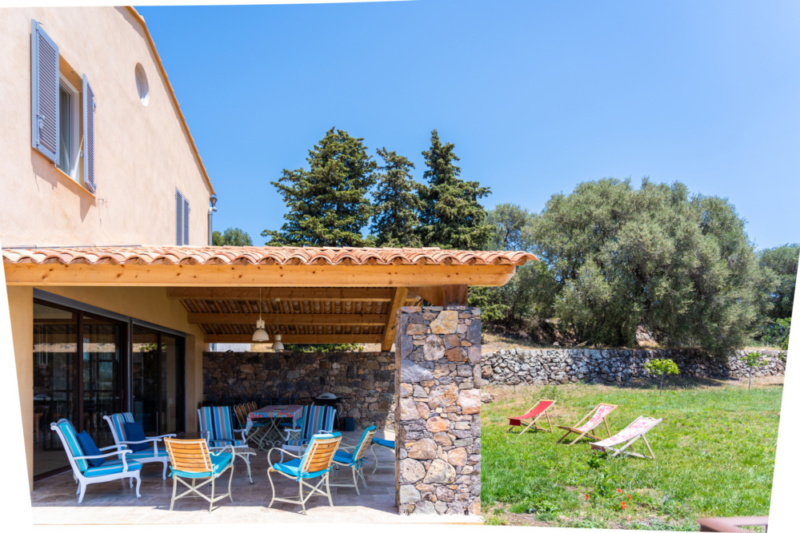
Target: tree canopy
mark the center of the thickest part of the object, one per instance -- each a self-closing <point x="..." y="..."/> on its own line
<point x="396" y="202"/>
<point x="328" y="204"/>
<point x="620" y="258"/>
<point x="231" y="237"/>
<point x="451" y="215"/>
<point x="782" y="261"/>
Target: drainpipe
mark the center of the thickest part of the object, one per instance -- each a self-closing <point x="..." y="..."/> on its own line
<point x="211" y="209"/>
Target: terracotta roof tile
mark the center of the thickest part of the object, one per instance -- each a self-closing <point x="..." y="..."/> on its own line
<point x="255" y="255"/>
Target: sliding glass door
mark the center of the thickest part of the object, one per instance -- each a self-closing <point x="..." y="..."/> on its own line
<point x="157" y="380"/>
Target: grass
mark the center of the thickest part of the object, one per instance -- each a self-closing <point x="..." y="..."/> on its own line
<point x="715" y="453"/>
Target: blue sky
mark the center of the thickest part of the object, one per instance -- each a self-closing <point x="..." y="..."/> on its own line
<point x="537" y="96"/>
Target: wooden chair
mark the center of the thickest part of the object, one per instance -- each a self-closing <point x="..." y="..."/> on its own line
<point x="596" y="416"/>
<point x="353" y="457"/>
<point x="217" y="426"/>
<point x="634" y="431"/>
<point x="316" y="462"/>
<point x="191" y="459"/>
<point x="533" y="415"/>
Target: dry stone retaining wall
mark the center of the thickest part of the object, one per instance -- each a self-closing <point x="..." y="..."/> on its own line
<point x="438" y="425"/>
<point x="555" y="366"/>
<point x="364" y="379"/>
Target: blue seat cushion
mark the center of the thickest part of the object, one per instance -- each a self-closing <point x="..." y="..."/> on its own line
<point x="292" y="469"/>
<point x="90" y="448"/>
<point x="219" y="462"/>
<point x="134" y="432"/>
<point x="147" y="454"/>
<point x="344" y="458"/>
<point x="383" y="442"/>
<point x="111" y="467"/>
<point x="223" y="442"/>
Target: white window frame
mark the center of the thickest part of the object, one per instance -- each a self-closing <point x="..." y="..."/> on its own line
<point x="75" y="122"/>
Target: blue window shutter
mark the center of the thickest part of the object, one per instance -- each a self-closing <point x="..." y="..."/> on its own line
<point x="44" y="93"/>
<point x="185" y="221"/>
<point x="89" y="106"/>
<point x="178" y="218"/>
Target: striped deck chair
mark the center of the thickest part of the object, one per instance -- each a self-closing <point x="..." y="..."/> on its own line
<point x="191" y="459"/>
<point x="86" y="473"/>
<point x="532" y="416"/>
<point x="316" y="419"/>
<point x="353" y="457"/>
<point x="315" y="462"/>
<point x="596" y="416"/>
<point x="634" y="431"/>
<point x="216" y="425"/>
<point x="116" y="422"/>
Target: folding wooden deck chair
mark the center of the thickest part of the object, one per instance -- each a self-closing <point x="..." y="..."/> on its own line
<point x="596" y="416"/>
<point x="634" y="431"/>
<point x="315" y="462"/>
<point x="190" y="459"/>
<point x="533" y="415"/>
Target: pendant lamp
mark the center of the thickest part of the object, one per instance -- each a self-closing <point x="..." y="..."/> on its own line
<point x="260" y="334"/>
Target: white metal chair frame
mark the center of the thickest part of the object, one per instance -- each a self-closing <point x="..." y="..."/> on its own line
<point x="154" y="440"/>
<point x="194" y="488"/>
<point x="314" y="490"/>
<point x="375" y="467"/>
<point x="358" y="459"/>
<point x="244" y="451"/>
<point x="84" y="481"/>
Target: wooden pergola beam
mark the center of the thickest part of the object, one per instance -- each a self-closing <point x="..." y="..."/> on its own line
<point x="202" y="275"/>
<point x="287" y="319"/>
<point x="376" y="294"/>
<point x="398" y="299"/>
<point x="300" y="339"/>
<point x="444" y="295"/>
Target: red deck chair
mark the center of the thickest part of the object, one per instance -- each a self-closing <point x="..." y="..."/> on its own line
<point x="533" y="415"/>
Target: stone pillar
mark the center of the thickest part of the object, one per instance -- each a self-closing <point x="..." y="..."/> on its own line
<point x="438" y="425"/>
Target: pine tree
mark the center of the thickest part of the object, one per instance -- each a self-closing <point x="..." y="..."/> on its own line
<point x="396" y="203"/>
<point x="328" y="203"/>
<point x="451" y="216"/>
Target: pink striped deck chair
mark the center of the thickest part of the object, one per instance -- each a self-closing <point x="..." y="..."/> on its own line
<point x="533" y="415"/>
<point x="596" y="416"/>
<point x="634" y="431"/>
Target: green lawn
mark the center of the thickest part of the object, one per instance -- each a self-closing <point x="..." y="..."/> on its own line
<point x="715" y="452"/>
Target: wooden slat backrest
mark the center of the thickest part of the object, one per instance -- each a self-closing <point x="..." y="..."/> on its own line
<point x="188" y="455"/>
<point x="364" y="445"/>
<point x="320" y="454"/>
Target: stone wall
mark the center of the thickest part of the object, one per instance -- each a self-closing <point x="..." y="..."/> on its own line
<point x="438" y="425"/>
<point x="553" y="366"/>
<point x="364" y="379"/>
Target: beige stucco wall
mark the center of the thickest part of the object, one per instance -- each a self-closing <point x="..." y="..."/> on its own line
<point x="150" y="304"/>
<point x="142" y="153"/>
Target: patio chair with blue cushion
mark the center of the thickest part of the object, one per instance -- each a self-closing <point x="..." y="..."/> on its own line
<point x="315" y="462"/>
<point x="353" y="457"/>
<point x="384" y="443"/>
<point x="191" y="459"/>
<point x="316" y="419"/>
<point x="129" y="434"/>
<point x="89" y="465"/>
<point x="216" y="425"/>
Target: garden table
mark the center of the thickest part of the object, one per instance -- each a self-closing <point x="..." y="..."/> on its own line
<point x="272" y="436"/>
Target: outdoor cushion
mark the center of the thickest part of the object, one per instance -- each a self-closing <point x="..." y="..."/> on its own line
<point x="134" y="432"/>
<point x="90" y="448"/>
<point x="148" y="454"/>
<point x="234" y="442"/>
<point x="75" y="449"/>
<point x="345" y="458"/>
<point x="118" y="421"/>
<point x="111" y="467"/>
<point x="383" y="442"/>
<point x="219" y="462"/>
<point x="292" y="468"/>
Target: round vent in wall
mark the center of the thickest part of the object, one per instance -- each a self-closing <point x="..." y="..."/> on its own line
<point x="141" y="84"/>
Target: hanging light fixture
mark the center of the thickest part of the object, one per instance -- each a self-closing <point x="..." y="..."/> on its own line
<point x="260" y="334"/>
<point x="277" y="345"/>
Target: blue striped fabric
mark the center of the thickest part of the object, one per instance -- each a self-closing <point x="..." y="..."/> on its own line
<point x="316" y="418"/>
<point x="112" y="467"/>
<point x="234" y="442"/>
<point x="74" y="446"/>
<point x="146" y="454"/>
<point x="206" y="422"/>
<point x="218" y="423"/>
<point x="118" y="420"/>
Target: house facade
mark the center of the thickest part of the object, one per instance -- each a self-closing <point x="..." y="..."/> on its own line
<point x="96" y="152"/>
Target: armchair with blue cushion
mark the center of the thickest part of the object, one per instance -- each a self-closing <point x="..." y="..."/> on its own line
<point x="191" y="459"/>
<point x="353" y="457"/>
<point x="316" y="419"/>
<point x="89" y="465"/>
<point x="129" y="434"/>
<point x="216" y="425"/>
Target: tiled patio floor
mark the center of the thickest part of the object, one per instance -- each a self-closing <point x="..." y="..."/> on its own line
<point x="55" y="502"/>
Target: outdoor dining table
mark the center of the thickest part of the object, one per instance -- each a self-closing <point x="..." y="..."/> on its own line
<point x="271" y="435"/>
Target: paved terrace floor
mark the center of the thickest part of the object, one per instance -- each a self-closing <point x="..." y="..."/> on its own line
<point x="55" y="502"/>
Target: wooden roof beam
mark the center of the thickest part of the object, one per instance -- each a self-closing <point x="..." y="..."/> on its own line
<point x="376" y="294"/>
<point x="300" y="339"/>
<point x="286" y="319"/>
<point x="400" y="294"/>
<point x="444" y="295"/>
